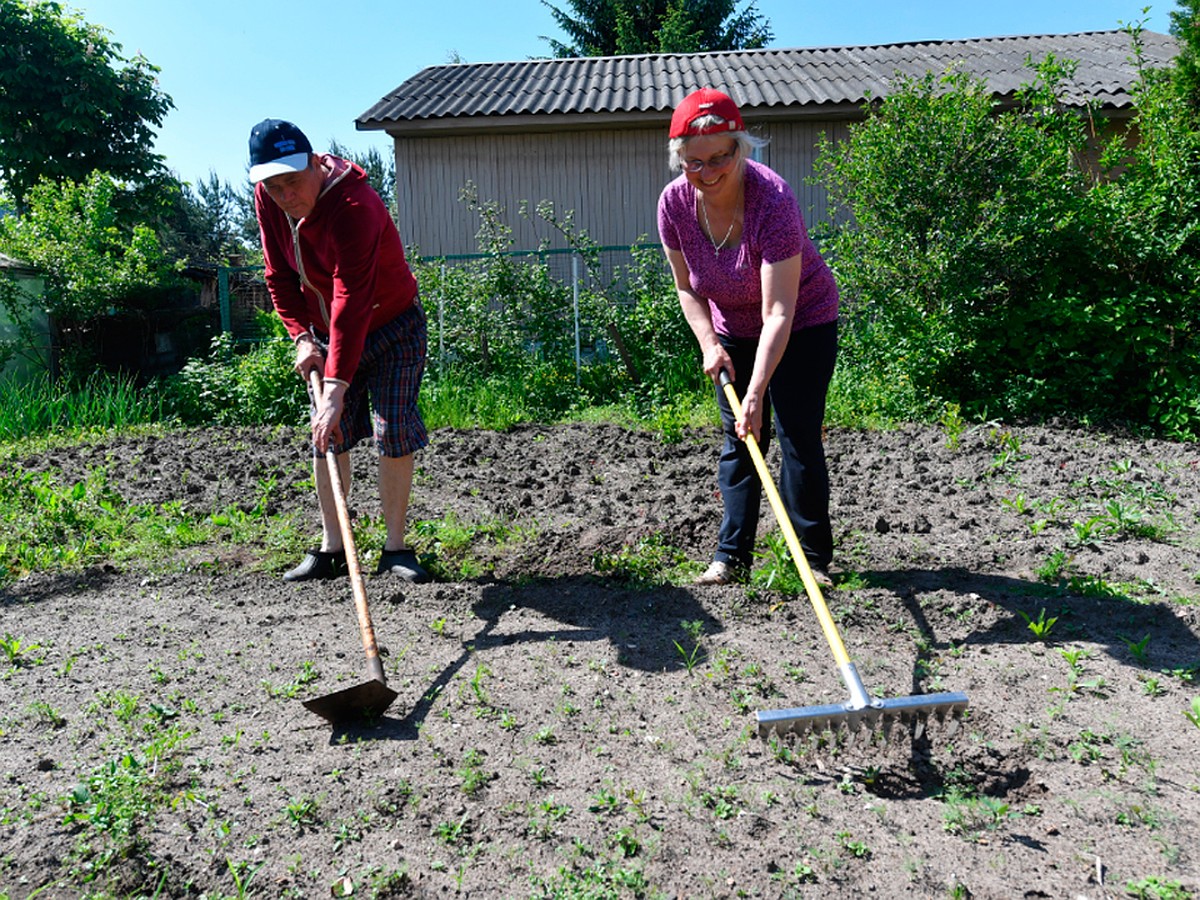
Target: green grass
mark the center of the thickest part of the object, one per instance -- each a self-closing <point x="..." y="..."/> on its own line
<point x="101" y="403"/>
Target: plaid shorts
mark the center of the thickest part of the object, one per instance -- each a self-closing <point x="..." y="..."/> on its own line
<point x="381" y="401"/>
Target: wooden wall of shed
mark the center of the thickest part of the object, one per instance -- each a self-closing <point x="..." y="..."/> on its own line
<point x="611" y="179"/>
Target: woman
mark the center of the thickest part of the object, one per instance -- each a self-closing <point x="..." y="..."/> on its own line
<point x="763" y="306"/>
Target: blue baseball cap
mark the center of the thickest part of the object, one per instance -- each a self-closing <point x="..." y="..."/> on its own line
<point x="277" y="147"/>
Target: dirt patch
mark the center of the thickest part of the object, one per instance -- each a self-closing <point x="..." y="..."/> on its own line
<point x="560" y="733"/>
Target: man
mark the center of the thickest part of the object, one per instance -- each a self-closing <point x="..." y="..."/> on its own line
<point x="339" y="281"/>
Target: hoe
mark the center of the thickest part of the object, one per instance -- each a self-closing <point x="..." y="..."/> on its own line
<point x="861" y="711"/>
<point x="370" y="699"/>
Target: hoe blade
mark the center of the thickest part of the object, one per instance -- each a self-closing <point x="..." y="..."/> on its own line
<point x="880" y="714"/>
<point x="368" y="701"/>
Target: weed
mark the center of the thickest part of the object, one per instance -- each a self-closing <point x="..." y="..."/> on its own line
<point x="604" y="801"/>
<point x="723" y="801"/>
<point x="692" y="658"/>
<point x="857" y="849"/>
<point x="952" y="424"/>
<point x="970" y="816"/>
<point x="241" y="880"/>
<point x="1055" y="568"/>
<point x="778" y="571"/>
<point x="301" y="812"/>
<point x="1138" y="648"/>
<point x="472" y="775"/>
<point x="1153" y="687"/>
<point x="1041" y="626"/>
<point x="650" y="562"/>
<point x="47" y="714"/>
<point x="307" y="675"/>
<point x="17" y="653"/>
<point x="1155" y="888"/>
<point x="1193" y="714"/>
<point x="452" y="833"/>
<point x="114" y="807"/>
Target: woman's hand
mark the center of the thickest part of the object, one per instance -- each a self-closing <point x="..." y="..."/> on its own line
<point x="750" y="421"/>
<point x="716" y="359"/>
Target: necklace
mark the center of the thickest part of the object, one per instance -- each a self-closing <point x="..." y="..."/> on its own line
<point x="707" y="227"/>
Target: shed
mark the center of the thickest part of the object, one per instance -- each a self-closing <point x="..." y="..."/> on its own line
<point x="27" y="359"/>
<point x="589" y="134"/>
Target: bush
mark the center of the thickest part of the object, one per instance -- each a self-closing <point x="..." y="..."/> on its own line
<point x="254" y="384"/>
<point x="1001" y="263"/>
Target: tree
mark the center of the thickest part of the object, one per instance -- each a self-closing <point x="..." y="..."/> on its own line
<point x="1185" y="26"/>
<point x="91" y="263"/>
<point x="71" y="104"/>
<point x="618" y="27"/>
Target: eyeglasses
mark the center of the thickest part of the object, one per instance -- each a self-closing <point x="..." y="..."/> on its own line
<point x="720" y="161"/>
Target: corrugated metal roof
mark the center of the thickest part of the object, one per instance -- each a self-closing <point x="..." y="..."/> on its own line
<point x="800" y="79"/>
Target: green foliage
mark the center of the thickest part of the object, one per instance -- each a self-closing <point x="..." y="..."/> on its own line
<point x="101" y="402"/>
<point x="70" y="102"/>
<point x="650" y="561"/>
<point x="998" y="262"/>
<point x="114" y="807"/>
<point x="619" y="27"/>
<point x="254" y="384"/>
<point x="91" y="262"/>
<point x="502" y="333"/>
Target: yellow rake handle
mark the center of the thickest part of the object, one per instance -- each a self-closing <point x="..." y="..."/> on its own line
<point x="789" y="534"/>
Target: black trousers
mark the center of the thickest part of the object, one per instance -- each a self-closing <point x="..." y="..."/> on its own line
<point x="796" y="396"/>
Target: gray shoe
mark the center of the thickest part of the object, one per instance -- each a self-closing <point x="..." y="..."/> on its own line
<point x="718" y="572"/>
<point x="403" y="564"/>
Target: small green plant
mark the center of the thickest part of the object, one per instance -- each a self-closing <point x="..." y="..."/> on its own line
<point x="1055" y="568"/>
<point x="650" y="562"/>
<point x="1138" y="649"/>
<point x="1041" y="626"/>
<point x="1155" y="888"/>
<point x="472" y="775"/>
<point x="953" y="425"/>
<point x="301" y="812"/>
<point x="18" y="653"/>
<point x="452" y="833"/>
<point x="970" y="816"/>
<point x="857" y="849"/>
<point x="692" y="658"/>
<point x="47" y="713"/>
<point x="1193" y="714"/>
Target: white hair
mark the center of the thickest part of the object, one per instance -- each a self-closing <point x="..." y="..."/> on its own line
<point x="746" y="143"/>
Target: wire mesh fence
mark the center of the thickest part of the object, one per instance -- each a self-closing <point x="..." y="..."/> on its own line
<point x="548" y="302"/>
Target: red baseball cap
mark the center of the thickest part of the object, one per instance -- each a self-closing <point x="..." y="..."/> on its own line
<point x="704" y="102"/>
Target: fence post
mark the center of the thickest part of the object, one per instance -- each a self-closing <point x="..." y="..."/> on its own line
<point x="223" y="294"/>
<point x="442" y="323"/>
<point x="575" y="301"/>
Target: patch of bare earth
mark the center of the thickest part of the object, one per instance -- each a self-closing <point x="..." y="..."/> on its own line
<point x="558" y="732"/>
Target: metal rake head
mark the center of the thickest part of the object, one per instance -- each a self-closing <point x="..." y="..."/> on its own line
<point x="879" y="715"/>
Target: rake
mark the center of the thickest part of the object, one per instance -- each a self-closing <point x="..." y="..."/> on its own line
<point x="861" y="710"/>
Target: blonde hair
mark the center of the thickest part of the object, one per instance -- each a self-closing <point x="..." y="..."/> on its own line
<point x="746" y="142"/>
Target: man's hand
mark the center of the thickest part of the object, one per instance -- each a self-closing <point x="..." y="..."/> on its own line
<point x="309" y="356"/>
<point x="328" y="414"/>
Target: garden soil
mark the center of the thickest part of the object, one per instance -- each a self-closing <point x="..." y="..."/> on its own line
<point x="564" y="727"/>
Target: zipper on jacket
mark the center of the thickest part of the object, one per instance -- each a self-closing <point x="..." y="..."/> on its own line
<point x="295" y="225"/>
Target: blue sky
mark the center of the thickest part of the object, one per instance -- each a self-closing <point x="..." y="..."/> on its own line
<point x="229" y="63"/>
